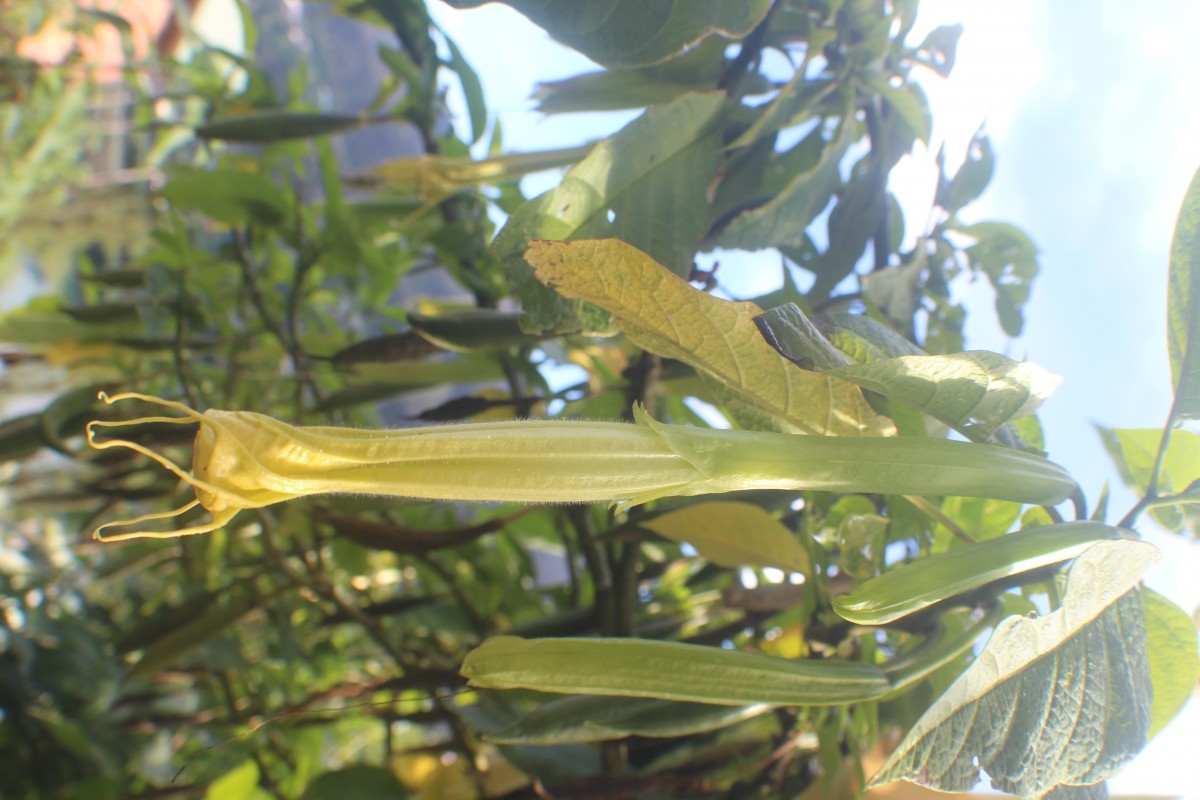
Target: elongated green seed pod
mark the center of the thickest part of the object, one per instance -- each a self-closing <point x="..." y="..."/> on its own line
<point x="247" y="460"/>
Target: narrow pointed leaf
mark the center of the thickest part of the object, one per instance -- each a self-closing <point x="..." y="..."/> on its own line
<point x="733" y="534"/>
<point x="586" y="718"/>
<point x="1063" y="700"/>
<point x="1183" y="305"/>
<point x="436" y="177"/>
<point x="668" y="671"/>
<point x="918" y="585"/>
<point x="647" y="185"/>
<point x="1174" y="661"/>
<point x="636" y="33"/>
<point x="473" y="329"/>
<point x="277" y="125"/>
<point x="661" y="313"/>
<point x="781" y="220"/>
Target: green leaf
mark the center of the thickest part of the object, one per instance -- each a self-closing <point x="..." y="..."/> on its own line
<point x="1008" y="257"/>
<point x="1134" y="451"/>
<point x="733" y="534"/>
<point x="974" y="392"/>
<point x="1183" y="305"/>
<point x="636" y="33"/>
<point x="278" y="125"/>
<point x="972" y="177"/>
<point x="782" y="219"/>
<point x="667" y="671"/>
<point x="437" y="177"/>
<point x="1174" y="661"/>
<point x="474" y="329"/>
<point x="600" y="719"/>
<point x="716" y="337"/>
<point x="1059" y="700"/>
<point x="192" y="634"/>
<point x="240" y="783"/>
<point x="912" y="587"/>
<point x="650" y="178"/>
<point x="229" y="196"/>
<point x="472" y="90"/>
<point x="862" y="338"/>
<point x="359" y="782"/>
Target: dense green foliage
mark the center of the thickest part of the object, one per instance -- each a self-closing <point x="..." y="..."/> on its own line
<point x="754" y="644"/>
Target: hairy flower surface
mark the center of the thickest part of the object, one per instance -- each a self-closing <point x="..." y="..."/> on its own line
<point x="246" y="460"/>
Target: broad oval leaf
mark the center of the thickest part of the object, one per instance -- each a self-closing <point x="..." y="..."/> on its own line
<point x="1183" y="305"/>
<point x="733" y="534"/>
<point x="1174" y="662"/>
<point x="637" y="33"/>
<point x="646" y="184"/>
<point x="668" y="671"/>
<point x="229" y="196"/>
<point x="661" y="313"/>
<point x="1135" y="450"/>
<point x="918" y="585"/>
<point x="586" y="718"/>
<point x="1063" y="700"/>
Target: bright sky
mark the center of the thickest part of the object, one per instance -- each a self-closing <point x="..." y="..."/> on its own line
<point x="1095" y="117"/>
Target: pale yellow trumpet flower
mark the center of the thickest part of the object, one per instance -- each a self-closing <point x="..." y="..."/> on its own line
<point x="246" y="460"/>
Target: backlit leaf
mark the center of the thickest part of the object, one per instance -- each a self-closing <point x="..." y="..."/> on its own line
<point x="647" y="184"/>
<point x="733" y="534"/>
<point x="1183" y="304"/>
<point x="1059" y="700"/>
<point x="974" y="392"/>
<point x="1174" y="661"/>
<point x="661" y="313"/>
<point x="636" y="33"/>
<point x="918" y="585"/>
<point x="668" y="671"/>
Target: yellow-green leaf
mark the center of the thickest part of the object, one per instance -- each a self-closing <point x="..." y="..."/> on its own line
<point x="668" y="671"/>
<point x="1183" y="304"/>
<point x="733" y="534"/>
<point x="1174" y="662"/>
<point x="661" y="313"/>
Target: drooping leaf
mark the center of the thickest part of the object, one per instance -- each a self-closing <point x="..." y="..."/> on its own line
<point x="585" y="718"/>
<point x="661" y="313"/>
<point x="974" y="392"/>
<point x="796" y="338"/>
<point x="667" y="671"/>
<point x="636" y="33"/>
<point x="782" y="219"/>
<point x="1063" y="700"/>
<point x="1174" y="661"/>
<point x="862" y="338"/>
<point x="278" y="125"/>
<point x="1183" y="305"/>
<point x="912" y="587"/>
<point x="733" y="534"/>
<point x="646" y="184"/>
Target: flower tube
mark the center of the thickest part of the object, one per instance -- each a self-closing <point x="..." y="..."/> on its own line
<point x="242" y="460"/>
